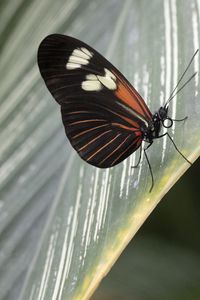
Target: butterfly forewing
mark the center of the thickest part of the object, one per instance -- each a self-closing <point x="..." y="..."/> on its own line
<point x="102" y="113"/>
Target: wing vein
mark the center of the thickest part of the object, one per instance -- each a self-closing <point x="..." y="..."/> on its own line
<point x="104" y="146"/>
<point x="122" y="153"/>
<point x="115" y="149"/>
<point x="94" y="139"/>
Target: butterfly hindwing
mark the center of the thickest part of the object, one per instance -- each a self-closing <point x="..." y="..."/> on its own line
<point x="102" y="113"/>
<point x="100" y="142"/>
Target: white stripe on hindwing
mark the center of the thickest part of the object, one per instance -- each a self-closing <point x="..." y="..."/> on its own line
<point x="134" y="113"/>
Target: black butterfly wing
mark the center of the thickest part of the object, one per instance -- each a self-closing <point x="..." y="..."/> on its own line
<point x="102" y="113"/>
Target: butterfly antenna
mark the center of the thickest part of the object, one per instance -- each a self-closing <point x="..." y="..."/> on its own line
<point x="172" y="95"/>
<point x="170" y="99"/>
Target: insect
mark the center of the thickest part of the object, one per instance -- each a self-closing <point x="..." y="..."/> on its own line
<point x="105" y="118"/>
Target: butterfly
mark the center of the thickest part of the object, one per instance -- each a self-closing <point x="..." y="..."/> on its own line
<point x="104" y="117"/>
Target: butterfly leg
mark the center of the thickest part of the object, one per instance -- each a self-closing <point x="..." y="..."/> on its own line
<point x="138" y="159"/>
<point x="150" y="169"/>
<point x="175" y="146"/>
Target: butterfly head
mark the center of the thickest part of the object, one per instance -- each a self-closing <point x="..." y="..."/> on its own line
<point x="165" y="120"/>
<point x="159" y="119"/>
<point x="163" y="113"/>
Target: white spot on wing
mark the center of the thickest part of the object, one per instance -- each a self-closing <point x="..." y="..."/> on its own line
<point x="78" y="58"/>
<point x="108" y="80"/>
<point x="96" y="82"/>
<point x="71" y="66"/>
<point x="90" y="54"/>
<point x="91" y="85"/>
<point x="91" y="77"/>
<point x="80" y="53"/>
<point x="110" y="74"/>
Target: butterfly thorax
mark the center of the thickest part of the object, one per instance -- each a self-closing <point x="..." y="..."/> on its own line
<point x="160" y="119"/>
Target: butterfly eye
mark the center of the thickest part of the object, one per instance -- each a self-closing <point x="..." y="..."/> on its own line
<point x="167" y="123"/>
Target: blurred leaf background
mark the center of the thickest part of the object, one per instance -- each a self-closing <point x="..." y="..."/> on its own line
<point x="163" y="262"/>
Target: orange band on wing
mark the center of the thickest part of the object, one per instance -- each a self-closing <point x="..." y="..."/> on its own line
<point x="131" y="122"/>
<point x="125" y="127"/>
<point x="126" y="96"/>
<point x="132" y="98"/>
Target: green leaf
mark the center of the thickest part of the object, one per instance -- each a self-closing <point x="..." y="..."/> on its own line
<point x="152" y="269"/>
<point x="62" y="220"/>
